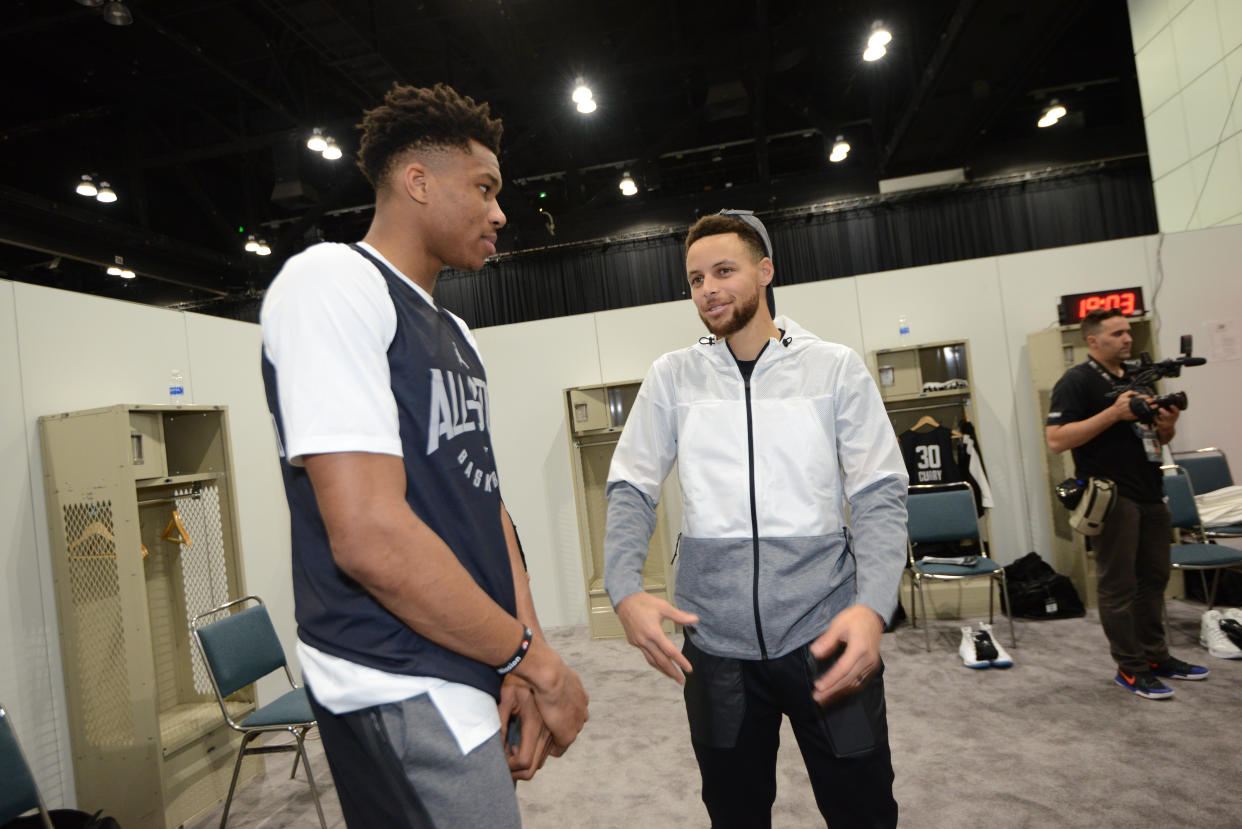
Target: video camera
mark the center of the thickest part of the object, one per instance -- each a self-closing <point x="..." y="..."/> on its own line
<point x="1145" y="372"/>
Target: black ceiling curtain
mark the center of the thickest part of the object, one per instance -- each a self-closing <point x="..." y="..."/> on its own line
<point x="1100" y="202"/>
<point x="1092" y="203"/>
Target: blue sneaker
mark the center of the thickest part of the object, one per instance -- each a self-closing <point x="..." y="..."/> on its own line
<point x="1144" y="684"/>
<point x="1170" y="668"/>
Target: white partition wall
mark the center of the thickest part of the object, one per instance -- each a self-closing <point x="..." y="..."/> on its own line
<point x="528" y="367"/>
<point x="62" y="351"/>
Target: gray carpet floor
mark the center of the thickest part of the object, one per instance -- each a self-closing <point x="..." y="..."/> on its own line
<point x="1050" y="742"/>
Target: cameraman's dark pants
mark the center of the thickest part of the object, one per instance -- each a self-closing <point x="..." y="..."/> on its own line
<point x="1132" y="561"/>
<point x="735" y="709"/>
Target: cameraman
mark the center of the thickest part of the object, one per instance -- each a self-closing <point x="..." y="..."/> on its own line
<point x="1132" y="549"/>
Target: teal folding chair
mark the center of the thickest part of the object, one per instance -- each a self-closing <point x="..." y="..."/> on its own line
<point x="239" y="649"/>
<point x="1201" y="553"/>
<point x="18" y="792"/>
<point x="946" y="512"/>
<point x="1208" y="469"/>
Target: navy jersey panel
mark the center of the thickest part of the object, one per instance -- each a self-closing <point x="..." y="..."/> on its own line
<point x="451" y="485"/>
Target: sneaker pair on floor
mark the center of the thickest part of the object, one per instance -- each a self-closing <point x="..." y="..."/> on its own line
<point x="980" y="650"/>
<point x="1148" y="685"/>
<point x="1220" y="631"/>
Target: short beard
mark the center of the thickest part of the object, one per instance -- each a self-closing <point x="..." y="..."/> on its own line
<point x="742" y="315"/>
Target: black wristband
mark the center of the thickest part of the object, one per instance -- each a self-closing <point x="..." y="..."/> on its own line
<point x="519" y="654"/>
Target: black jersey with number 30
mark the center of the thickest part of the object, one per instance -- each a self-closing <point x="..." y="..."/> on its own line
<point x="929" y="456"/>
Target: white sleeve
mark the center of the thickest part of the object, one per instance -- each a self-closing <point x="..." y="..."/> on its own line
<point x="327" y="323"/>
<point x="648" y="445"/>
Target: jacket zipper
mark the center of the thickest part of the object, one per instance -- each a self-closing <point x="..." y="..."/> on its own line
<point x="754" y="518"/>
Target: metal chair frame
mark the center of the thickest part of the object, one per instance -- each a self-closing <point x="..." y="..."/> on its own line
<point x="1195" y="530"/>
<point x="14" y="800"/>
<point x="917" y="575"/>
<point x="297" y="729"/>
<point x="1194" y="456"/>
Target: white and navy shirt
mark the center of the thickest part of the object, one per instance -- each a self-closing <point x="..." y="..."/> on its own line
<point x="357" y="358"/>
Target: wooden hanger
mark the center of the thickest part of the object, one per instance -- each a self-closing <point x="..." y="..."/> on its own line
<point x="182" y="535"/>
<point x="95" y="529"/>
<point x="925" y="420"/>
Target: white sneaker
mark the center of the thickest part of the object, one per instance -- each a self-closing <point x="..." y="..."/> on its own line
<point x="969" y="651"/>
<point x="1002" y="659"/>
<point x="1212" y="637"/>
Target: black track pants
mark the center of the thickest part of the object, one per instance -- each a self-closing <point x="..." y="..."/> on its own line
<point x="735" y="709"/>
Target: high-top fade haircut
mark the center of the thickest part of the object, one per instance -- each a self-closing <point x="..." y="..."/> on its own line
<point x="415" y="118"/>
<point x="716" y="224"/>
<point x="1094" y="321"/>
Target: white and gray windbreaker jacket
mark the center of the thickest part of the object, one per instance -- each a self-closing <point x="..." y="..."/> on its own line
<point x="766" y="558"/>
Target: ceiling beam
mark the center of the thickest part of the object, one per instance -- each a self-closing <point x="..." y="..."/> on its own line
<point x="931" y="73"/>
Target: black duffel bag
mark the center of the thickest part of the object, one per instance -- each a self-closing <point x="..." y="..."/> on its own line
<point x="1039" y="592"/>
<point x="65" y="819"/>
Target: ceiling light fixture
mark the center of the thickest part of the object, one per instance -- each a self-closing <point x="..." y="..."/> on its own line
<point x="627" y="185"/>
<point x="840" y="150"/>
<point x="583" y="97"/>
<point x="113" y="270"/>
<point x="127" y="274"/>
<point x="316" y="141"/>
<point x="106" y="194"/>
<point x="1055" y="112"/>
<point x="252" y="245"/>
<point x="331" y="151"/>
<point x="876" y="43"/>
<point x="86" y="187"/>
<point x="117" y="13"/>
<point x="263" y="249"/>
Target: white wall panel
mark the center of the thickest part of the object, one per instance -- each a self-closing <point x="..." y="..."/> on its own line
<point x="1221" y="195"/>
<point x="1202" y="285"/>
<point x="630" y="339"/>
<point x="1205" y="116"/>
<point x="1168" y="148"/>
<point x="828" y="309"/>
<point x="225" y="357"/>
<point x="1196" y="39"/>
<point x="528" y="367"/>
<point x="30" y="685"/>
<point x="1157" y="71"/>
<point x="1175" y="197"/>
<point x="954" y="301"/>
<point x="1147" y="18"/>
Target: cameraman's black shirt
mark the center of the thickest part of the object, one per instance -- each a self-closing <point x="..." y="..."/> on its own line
<point x="1117" y="452"/>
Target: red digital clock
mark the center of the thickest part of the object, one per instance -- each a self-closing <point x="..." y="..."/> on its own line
<point x="1074" y="307"/>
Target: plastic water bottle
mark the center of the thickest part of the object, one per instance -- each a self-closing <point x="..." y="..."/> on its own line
<point x="903" y="326"/>
<point x="176" y="388"/>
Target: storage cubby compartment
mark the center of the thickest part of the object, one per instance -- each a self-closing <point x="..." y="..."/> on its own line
<point x="138" y="548"/>
<point x="597" y="415"/>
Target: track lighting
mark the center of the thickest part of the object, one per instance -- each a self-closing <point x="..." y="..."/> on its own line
<point x="106" y="194"/>
<point x="119" y="269"/>
<point x="252" y="244"/>
<point x="86" y="187"/>
<point x="316" y="141"/>
<point x="330" y="150"/>
<point x="627" y="185"/>
<point x="1055" y="112"/>
<point x="117" y="13"/>
<point x="877" y="42"/>
<point x="583" y="97"/>
<point x="263" y="249"/>
<point x="840" y="149"/>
